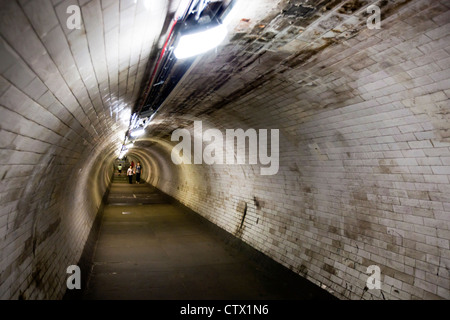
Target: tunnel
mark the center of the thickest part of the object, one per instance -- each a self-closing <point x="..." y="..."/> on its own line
<point x="313" y="139"/>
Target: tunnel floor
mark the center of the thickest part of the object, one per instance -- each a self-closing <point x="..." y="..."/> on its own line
<point x="150" y="248"/>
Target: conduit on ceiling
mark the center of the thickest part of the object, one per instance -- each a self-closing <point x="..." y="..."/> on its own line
<point x="192" y="16"/>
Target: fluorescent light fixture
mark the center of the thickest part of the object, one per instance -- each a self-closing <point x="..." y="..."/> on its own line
<point x="133" y="121"/>
<point x="123" y="153"/>
<point x="196" y="43"/>
<point x="137" y="133"/>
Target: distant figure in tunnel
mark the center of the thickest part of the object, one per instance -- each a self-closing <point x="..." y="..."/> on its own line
<point x="119" y="167"/>
<point x="130" y="174"/>
<point x="132" y="164"/>
<point x="138" y="172"/>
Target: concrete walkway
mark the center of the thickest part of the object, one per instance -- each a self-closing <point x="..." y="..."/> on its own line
<point x="151" y="248"/>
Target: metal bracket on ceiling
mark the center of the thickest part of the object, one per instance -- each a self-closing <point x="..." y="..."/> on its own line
<point x="158" y="84"/>
<point x="198" y="6"/>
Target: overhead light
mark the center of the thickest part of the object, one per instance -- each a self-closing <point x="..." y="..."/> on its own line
<point x="133" y="121"/>
<point x="137" y="133"/>
<point x="122" y="155"/>
<point x="193" y="44"/>
<point x="123" y="152"/>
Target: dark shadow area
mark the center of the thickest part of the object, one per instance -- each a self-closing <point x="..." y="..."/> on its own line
<point x="85" y="262"/>
<point x="283" y="282"/>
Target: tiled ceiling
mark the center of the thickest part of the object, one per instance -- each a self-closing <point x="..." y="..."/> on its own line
<point x="83" y="84"/>
<point x="87" y="78"/>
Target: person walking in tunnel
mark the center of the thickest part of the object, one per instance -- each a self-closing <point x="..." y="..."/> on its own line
<point x="119" y="168"/>
<point x="130" y="174"/>
<point x="138" y="172"/>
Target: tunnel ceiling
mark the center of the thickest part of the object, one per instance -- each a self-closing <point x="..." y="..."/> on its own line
<point x="91" y="78"/>
<point x="267" y="40"/>
<point x="86" y="76"/>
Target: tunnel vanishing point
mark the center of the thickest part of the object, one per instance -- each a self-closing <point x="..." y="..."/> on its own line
<point x="357" y="91"/>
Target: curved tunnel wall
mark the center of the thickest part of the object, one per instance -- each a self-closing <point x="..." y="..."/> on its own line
<point x="364" y="162"/>
<point x="337" y="205"/>
<point x="49" y="214"/>
<point x="65" y="104"/>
